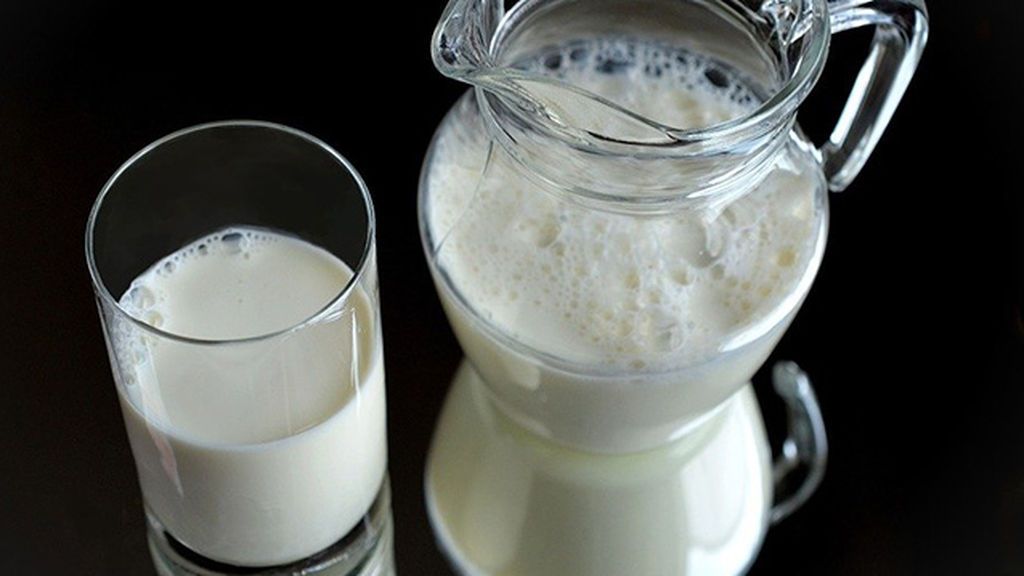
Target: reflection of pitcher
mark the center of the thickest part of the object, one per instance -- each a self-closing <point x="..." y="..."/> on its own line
<point x="506" y="502"/>
<point x="622" y="218"/>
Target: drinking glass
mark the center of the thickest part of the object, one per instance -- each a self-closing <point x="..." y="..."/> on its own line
<point x="257" y="453"/>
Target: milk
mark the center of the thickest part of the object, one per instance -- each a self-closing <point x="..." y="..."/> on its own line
<point x="608" y="331"/>
<point x="266" y="450"/>
<point x="505" y="502"/>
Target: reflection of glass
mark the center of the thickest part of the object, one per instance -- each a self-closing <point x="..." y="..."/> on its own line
<point x="622" y="218"/>
<point x="234" y="265"/>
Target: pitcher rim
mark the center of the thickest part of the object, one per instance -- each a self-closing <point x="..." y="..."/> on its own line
<point x="769" y="114"/>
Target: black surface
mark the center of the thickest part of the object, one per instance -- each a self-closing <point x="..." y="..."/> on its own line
<point x="912" y="332"/>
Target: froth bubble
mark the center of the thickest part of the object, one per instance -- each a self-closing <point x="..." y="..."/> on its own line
<point x="540" y="232"/>
<point x="153" y="318"/>
<point x="138" y="352"/>
<point x="234" y="242"/>
<point x="697" y="244"/>
<point x="141" y="297"/>
<point x="669" y="338"/>
<point x="681" y="276"/>
<point x="786" y="257"/>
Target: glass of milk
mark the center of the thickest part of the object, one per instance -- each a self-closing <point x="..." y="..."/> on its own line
<point x="622" y="218"/>
<point x="235" y="270"/>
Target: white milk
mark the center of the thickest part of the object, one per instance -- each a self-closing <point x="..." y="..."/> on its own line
<point x="646" y="323"/>
<point x="505" y="502"/>
<point x="262" y="452"/>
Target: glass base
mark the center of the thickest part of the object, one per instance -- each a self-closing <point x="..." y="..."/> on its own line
<point x="367" y="550"/>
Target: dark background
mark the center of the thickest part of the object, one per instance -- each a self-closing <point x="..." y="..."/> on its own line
<point x="912" y="333"/>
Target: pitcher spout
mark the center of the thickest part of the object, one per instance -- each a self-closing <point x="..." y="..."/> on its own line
<point x="460" y="46"/>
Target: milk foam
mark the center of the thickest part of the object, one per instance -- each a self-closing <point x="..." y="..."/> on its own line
<point x="676" y="88"/>
<point x="178" y="295"/>
<point x="616" y="290"/>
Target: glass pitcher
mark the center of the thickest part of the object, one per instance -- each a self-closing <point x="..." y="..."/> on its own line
<point x="614" y="274"/>
<point x="623" y="216"/>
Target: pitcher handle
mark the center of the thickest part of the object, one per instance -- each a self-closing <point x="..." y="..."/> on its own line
<point x="901" y="32"/>
<point x="805" y="450"/>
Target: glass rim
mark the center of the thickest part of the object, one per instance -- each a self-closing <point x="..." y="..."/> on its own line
<point x="105" y="296"/>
